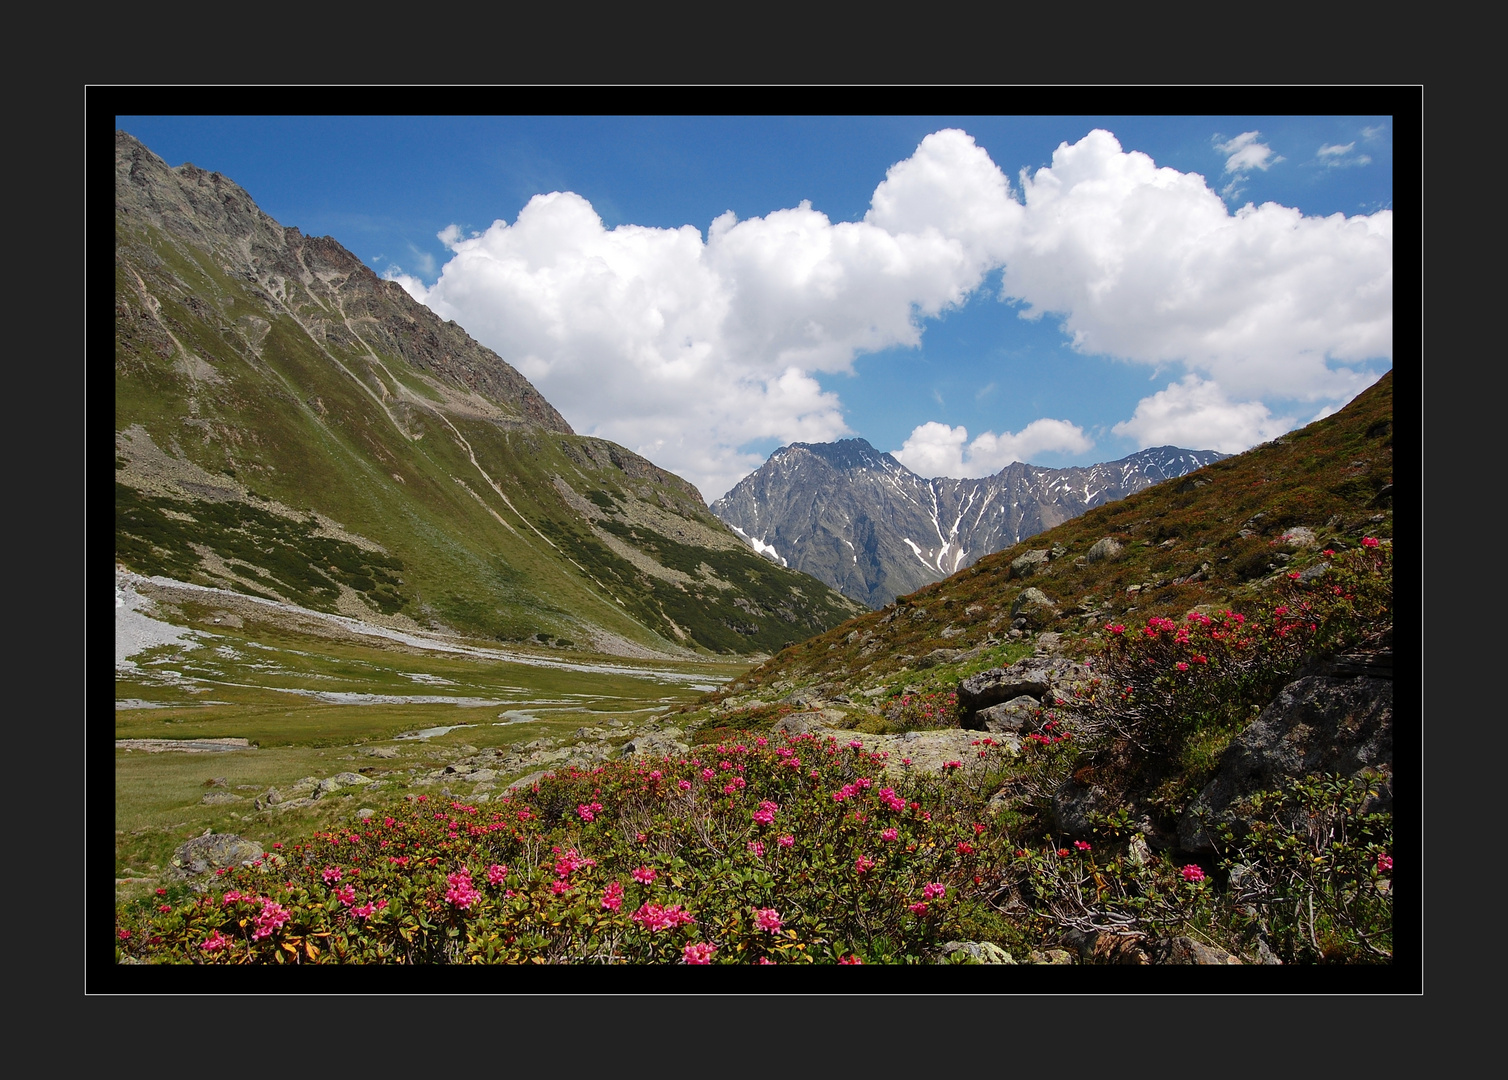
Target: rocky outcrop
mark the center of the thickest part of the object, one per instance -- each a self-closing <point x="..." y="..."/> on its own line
<point x="1032" y="609"/>
<point x="1107" y="547"/>
<point x="1316" y="725"/>
<point x="1042" y="680"/>
<point x="656" y="744"/>
<point x="195" y="861"/>
<point x="1017" y="714"/>
<point x="1024" y="566"/>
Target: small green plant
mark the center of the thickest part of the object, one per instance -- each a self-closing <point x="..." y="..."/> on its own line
<point x="1313" y="873"/>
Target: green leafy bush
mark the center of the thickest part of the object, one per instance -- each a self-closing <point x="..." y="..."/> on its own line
<point x="1313" y="874"/>
<point x="802" y="852"/>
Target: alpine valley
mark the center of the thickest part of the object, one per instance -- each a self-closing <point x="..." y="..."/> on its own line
<point x="409" y="673"/>
<point x="290" y="426"/>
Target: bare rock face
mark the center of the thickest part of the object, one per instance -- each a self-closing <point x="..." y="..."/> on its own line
<point x="860" y="521"/>
<point x="1318" y="724"/>
<point x="1017" y="714"/>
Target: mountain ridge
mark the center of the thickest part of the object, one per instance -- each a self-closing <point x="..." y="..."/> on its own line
<point x="811" y="501"/>
<point x="292" y="426"/>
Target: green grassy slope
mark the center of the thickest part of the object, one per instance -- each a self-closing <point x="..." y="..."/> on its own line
<point x="290" y="426"/>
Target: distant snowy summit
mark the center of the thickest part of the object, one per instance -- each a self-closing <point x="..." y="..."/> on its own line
<point x="862" y="522"/>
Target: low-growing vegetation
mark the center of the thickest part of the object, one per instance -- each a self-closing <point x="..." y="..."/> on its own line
<point x="771" y="848"/>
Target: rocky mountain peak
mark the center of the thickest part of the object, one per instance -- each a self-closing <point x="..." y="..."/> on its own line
<point x="326" y="285"/>
<point x="862" y="522"/>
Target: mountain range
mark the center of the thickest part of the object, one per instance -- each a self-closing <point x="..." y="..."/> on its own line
<point x="862" y="522"/>
<point x="291" y="426"/>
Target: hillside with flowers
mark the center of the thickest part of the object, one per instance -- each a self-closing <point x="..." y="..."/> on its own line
<point x="1159" y="734"/>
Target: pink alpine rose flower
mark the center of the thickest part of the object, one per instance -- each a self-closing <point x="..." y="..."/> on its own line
<point x="767" y="919"/>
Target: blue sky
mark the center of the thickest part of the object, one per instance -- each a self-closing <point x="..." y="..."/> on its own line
<point x="1203" y="281"/>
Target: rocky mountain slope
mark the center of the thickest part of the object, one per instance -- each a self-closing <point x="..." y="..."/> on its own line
<point x="1219" y="537"/>
<point x="291" y="426"/>
<point x="873" y="529"/>
<point x="1066" y="627"/>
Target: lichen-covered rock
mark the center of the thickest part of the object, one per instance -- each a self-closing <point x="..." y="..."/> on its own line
<point x="1017" y="714"/>
<point x="1050" y="956"/>
<point x="1105" y="548"/>
<point x="974" y="952"/>
<point x="205" y="854"/>
<point x="1024" y="566"/>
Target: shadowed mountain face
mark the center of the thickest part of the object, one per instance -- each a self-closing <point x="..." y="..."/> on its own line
<point x="863" y="523"/>
<point x="291" y="426"/>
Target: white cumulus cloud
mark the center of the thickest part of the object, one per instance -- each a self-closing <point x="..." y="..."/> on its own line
<point x="1147" y="264"/>
<point x="1196" y="414"/>
<point x="1248" y="153"/>
<point x="935" y="449"/>
<point x="685" y="347"/>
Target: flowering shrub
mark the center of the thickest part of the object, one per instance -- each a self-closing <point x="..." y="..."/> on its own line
<point x="665" y="865"/>
<point x="1311" y="877"/>
<point x="932" y="710"/>
<point x="1169" y="680"/>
